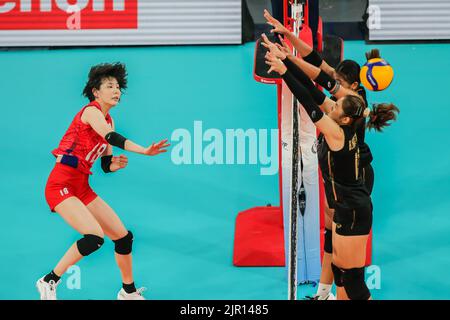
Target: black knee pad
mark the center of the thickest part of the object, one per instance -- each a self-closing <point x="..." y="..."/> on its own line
<point x="124" y="245"/>
<point x="328" y="242"/>
<point x="354" y="284"/>
<point x="89" y="243"/>
<point x="337" y="272"/>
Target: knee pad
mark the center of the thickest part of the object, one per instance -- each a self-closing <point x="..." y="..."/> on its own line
<point x="337" y="272"/>
<point x="328" y="242"/>
<point x="354" y="284"/>
<point x="89" y="243"/>
<point x="124" y="245"/>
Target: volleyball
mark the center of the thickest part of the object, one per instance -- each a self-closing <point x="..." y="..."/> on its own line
<point x="377" y="74"/>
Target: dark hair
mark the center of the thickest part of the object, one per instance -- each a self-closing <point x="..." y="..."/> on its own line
<point x="349" y="70"/>
<point x="380" y="116"/>
<point x="105" y="70"/>
<point x="353" y="107"/>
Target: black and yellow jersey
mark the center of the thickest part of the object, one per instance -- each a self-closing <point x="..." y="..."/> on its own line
<point x="343" y="181"/>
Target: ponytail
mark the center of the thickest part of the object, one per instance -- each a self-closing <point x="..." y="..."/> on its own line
<point x="381" y="116"/>
<point x="373" y="54"/>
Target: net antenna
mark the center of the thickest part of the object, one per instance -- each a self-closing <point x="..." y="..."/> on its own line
<point x="296" y="18"/>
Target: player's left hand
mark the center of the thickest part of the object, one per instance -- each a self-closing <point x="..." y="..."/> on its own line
<point x="157" y="148"/>
<point x="118" y="162"/>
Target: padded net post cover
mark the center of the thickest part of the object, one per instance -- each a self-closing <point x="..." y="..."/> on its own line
<point x="260" y="66"/>
<point x="258" y="239"/>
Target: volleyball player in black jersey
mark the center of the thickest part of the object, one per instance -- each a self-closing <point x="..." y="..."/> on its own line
<point x="344" y="81"/>
<point x="339" y="160"/>
<point x="347" y="75"/>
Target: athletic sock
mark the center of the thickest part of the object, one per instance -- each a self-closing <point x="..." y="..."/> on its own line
<point x="324" y="289"/>
<point x="51" y="276"/>
<point x="129" y="288"/>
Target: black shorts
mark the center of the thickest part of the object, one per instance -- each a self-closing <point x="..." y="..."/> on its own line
<point x="353" y="222"/>
<point x="368" y="177"/>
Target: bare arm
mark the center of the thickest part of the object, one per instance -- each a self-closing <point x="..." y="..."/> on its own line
<point x="302" y="47"/>
<point x="328" y="105"/>
<point x="313" y="73"/>
<point x="327" y="69"/>
<point x="96" y="120"/>
<point x="305" y="50"/>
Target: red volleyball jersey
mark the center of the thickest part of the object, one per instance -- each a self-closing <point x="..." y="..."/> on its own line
<point x="82" y="141"/>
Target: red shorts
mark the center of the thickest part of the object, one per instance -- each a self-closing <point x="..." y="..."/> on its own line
<point x="65" y="182"/>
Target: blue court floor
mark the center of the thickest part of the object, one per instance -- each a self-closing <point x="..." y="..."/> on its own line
<point x="183" y="215"/>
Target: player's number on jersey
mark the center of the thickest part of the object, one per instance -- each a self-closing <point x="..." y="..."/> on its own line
<point x="64" y="192"/>
<point x="96" y="152"/>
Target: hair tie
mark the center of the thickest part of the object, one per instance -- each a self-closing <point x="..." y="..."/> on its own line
<point x="366" y="112"/>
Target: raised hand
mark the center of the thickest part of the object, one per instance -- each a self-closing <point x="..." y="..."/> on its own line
<point x="273" y="48"/>
<point x="157" y="148"/>
<point x="284" y="47"/>
<point x="275" y="64"/>
<point x="277" y="25"/>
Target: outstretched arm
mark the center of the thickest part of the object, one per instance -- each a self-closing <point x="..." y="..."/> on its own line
<point x="333" y="133"/>
<point x="319" y="76"/>
<point x="305" y="51"/>
<point x="96" y="120"/>
<point x="325" y="103"/>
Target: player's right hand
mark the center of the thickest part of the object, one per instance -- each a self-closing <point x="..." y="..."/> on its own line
<point x="284" y="47"/>
<point x="272" y="47"/>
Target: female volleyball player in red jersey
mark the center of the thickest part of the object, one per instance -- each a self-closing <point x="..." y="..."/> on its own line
<point x="91" y="135"/>
<point x="339" y="160"/>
